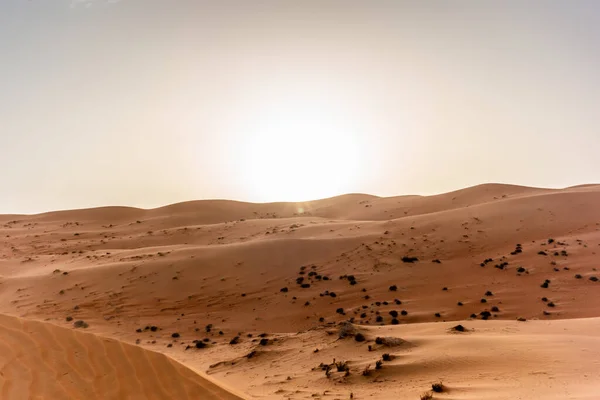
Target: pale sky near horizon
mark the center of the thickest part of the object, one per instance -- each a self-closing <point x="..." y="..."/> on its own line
<point x="151" y="102"/>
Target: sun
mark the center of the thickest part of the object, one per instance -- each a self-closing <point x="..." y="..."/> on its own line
<point x="300" y="150"/>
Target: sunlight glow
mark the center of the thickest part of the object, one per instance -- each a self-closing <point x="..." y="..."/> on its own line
<point x="300" y="150"/>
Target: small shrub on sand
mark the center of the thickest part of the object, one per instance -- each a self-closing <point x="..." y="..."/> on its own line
<point x="80" y="324"/>
<point x="426" y="396"/>
<point x="437" y="387"/>
<point x="359" y="337"/>
<point x="366" y="371"/>
<point x="341" y="366"/>
<point x="386" y="357"/>
<point x="409" y="259"/>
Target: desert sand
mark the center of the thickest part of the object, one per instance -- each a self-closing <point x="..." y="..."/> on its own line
<point x="221" y="299"/>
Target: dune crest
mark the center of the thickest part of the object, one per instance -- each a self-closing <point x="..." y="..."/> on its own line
<point x="247" y="293"/>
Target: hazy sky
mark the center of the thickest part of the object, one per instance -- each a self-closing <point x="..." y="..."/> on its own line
<point x="150" y="102"/>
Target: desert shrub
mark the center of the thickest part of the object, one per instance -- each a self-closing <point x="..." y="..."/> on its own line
<point x="386" y="357"/>
<point x="458" y="328"/>
<point x="80" y="324"/>
<point x="437" y="387"/>
<point x="393" y="288"/>
<point x="407" y="259"/>
<point x="175" y="335"/>
<point x="341" y="366"/>
<point x="378" y="364"/>
<point x="393" y="313"/>
<point x="404" y="312"/>
<point x="366" y="371"/>
<point x="359" y="337"/>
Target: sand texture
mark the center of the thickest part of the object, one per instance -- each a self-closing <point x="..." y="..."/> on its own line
<point x="204" y="299"/>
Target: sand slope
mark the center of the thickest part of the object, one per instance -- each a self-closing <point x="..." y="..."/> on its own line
<point x="43" y="361"/>
<point x="492" y="360"/>
<point x="218" y="270"/>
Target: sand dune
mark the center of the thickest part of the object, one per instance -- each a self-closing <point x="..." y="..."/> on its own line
<point x="294" y="270"/>
<point x="40" y="360"/>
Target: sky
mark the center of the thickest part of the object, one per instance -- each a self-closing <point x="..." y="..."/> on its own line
<point x="151" y="102"/>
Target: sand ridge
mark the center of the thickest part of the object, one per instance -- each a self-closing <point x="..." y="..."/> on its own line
<point x="283" y="274"/>
<point x="40" y="360"/>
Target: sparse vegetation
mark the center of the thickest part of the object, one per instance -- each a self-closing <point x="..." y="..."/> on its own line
<point x="80" y="324"/>
<point x="545" y="284"/>
<point x="341" y="366"/>
<point x="407" y="259"/>
<point x="437" y="387"/>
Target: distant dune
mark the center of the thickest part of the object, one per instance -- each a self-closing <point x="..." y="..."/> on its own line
<point x="246" y="293"/>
